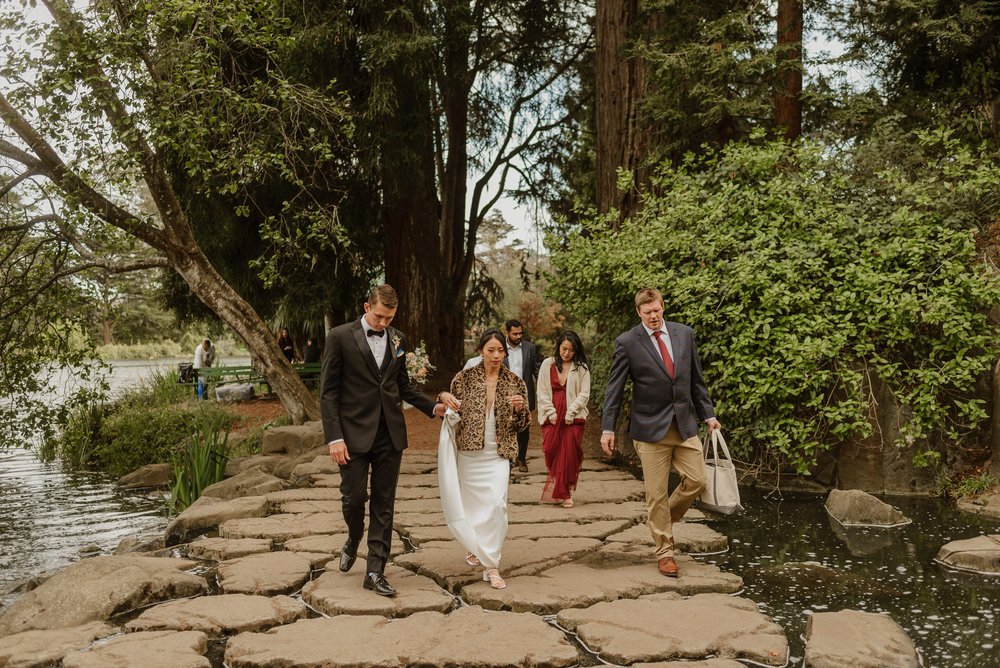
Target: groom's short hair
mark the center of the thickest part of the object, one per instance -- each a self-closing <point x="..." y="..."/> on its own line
<point x="384" y="295"/>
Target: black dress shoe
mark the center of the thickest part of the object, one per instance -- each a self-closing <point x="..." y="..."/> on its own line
<point x="378" y="584"/>
<point x="348" y="555"/>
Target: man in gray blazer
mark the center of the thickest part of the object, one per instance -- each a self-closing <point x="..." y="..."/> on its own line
<point x="363" y="386"/>
<point x="669" y="397"/>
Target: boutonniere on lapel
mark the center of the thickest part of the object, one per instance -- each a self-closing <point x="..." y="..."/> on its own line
<point x="396" y="345"/>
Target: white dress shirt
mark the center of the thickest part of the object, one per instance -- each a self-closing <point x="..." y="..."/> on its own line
<point x="515" y="359"/>
<point x="376" y="343"/>
<point x="665" y="338"/>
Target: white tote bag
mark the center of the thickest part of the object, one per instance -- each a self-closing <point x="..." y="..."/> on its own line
<point x="721" y="494"/>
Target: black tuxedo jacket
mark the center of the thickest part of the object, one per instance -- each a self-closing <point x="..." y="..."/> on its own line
<point x="656" y="399"/>
<point x="355" y="391"/>
<point x="530" y="365"/>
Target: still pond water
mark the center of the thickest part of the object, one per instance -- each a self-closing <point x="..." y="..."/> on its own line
<point x="47" y="515"/>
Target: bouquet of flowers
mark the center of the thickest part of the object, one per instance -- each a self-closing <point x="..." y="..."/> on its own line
<point x="418" y="364"/>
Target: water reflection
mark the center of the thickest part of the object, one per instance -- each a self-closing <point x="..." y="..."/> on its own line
<point x="952" y="620"/>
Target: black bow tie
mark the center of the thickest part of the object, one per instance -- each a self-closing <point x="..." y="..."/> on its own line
<point x="375" y="332"/>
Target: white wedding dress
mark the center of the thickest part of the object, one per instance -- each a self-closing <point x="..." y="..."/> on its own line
<point x="473" y="486"/>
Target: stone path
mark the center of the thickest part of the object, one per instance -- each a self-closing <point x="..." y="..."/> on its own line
<point x="252" y="583"/>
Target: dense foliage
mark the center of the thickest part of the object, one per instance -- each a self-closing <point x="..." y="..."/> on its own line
<point x="804" y="270"/>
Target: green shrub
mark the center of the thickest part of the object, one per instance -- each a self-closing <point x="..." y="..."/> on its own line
<point x="976" y="485"/>
<point x="803" y="270"/>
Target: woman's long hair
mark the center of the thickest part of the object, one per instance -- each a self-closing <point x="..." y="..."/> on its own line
<point x="579" y="355"/>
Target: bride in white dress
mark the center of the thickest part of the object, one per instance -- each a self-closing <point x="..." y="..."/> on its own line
<point x="474" y="454"/>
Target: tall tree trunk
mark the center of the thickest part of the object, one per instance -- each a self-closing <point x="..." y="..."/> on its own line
<point x="622" y="142"/>
<point x="788" y="94"/>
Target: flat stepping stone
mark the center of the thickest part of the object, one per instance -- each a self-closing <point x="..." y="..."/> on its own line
<point x="281" y="528"/>
<point x="857" y="639"/>
<point x="599" y="576"/>
<point x="269" y="574"/>
<point x="220" y="549"/>
<point x="445" y="562"/>
<point x="152" y="649"/>
<point x="207" y="513"/>
<point x="225" y="614"/>
<point x="419" y="480"/>
<point x="666" y="626"/>
<point x="303" y="494"/>
<point x="708" y="663"/>
<point x="320" y="465"/>
<point x="977" y="555"/>
<point x="334" y="543"/>
<point x="336" y="593"/>
<point x="45" y="648"/>
<point x="307" y="507"/>
<point x="589" y="491"/>
<point x="251" y="482"/>
<point x="852" y="507"/>
<point x="599" y="530"/>
<point x="689" y="538"/>
<point x="468" y="637"/>
<point x="97" y="588"/>
<point x="417" y="467"/>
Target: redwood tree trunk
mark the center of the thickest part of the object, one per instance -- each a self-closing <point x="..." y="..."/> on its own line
<point x="788" y="94"/>
<point x="622" y="142"/>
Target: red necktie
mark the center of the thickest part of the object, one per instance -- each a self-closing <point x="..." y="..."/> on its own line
<point x="665" y="354"/>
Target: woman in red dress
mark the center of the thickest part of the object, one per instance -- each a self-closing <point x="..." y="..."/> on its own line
<point x="563" y="392"/>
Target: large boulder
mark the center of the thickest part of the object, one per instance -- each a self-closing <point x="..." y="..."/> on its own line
<point x="987" y="505"/>
<point x="978" y="555"/>
<point x="292" y="440"/>
<point x="148" y="476"/>
<point x="208" y="512"/>
<point x="98" y="588"/>
<point x="857" y="639"/>
<point x="252" y="482"/>
<point x="852" y="507"/>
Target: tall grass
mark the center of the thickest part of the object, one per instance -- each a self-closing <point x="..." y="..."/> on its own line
<point x="200" y="464"/>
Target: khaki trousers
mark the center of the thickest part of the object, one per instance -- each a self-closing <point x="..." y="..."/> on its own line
<point x="663" y="510"/>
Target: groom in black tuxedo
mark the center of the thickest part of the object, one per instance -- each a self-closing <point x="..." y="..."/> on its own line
<point x="364" y="383"/>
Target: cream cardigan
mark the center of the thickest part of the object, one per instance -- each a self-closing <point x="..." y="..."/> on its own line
<point x="577" y="393"/>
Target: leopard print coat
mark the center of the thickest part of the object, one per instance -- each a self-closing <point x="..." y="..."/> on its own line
<point x="469" y="387"/>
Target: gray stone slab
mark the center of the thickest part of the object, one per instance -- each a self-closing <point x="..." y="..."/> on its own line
<point x="251" y="482"/>
<point x="268" y="574"/>
<point x="152" y="649"/>
<point x="688" y="537"/>
<point x="97" y="588"/>
<point x="853" y="507"/>
<point x="598" y="576"/>
<point x="584" y="512"/>
<point x="303" y="494"/>
<point x="857" y="639"/>
<point x="979" y="555"/>
<point x="220" y="549"/>
<point x="468" y="637"/>
<point x="417" y="467"/>
<point x="281" y="528"/>
<point x="225" y="614"/>
<point x="42" y="649"/>
<point x="336" y="593"/>
<point x="419" y="480"/>
<point x="310" y="507"/>
<point x="588" y="491"/>
<point x="599" y="530"/>
<point x="319" y="466"/>
<point x="334" y="543"/>
<point x="207" y="513"/>
<point x="444" y="562"/>
<point x="987" y="505"/>
<point x="708" y="663"/>
<point x="666" y="626"/>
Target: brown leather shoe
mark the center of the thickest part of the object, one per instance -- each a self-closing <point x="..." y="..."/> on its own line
<point x="522" y="466"/>
<point x="667" y="566"/>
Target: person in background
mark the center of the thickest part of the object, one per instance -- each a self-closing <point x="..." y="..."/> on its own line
<point x="286" y="345"/>
<point x="493" y="411"/>
<point x="310" y="354"/>
<point x="563" y="392"/>
<point x="669" y="397"/>
<point x="204" y="357"/>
